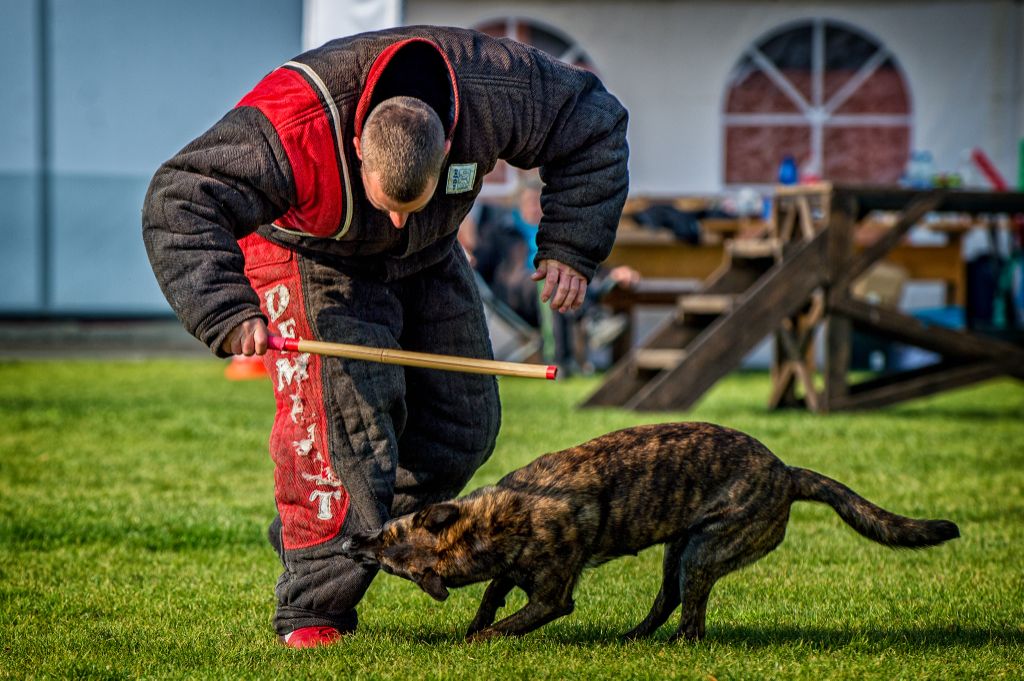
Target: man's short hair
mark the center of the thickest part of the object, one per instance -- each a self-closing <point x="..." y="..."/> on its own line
<point x="403" y="145"/>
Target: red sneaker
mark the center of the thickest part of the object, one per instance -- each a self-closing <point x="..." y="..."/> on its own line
<point x="311" y="637"/>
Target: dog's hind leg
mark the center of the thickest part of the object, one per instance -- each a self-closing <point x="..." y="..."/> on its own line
<point x="667" y="599"/>
<point x="493" y="600"/>
<point x="710" y="557"/>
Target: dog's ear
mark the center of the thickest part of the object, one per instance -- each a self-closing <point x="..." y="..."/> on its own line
<point x="436" y="517"/>
<point x="432" y="584"/>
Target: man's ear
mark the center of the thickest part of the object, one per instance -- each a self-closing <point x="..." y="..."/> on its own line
<point x="359" y="148"/>
<point x="447" y="147"/>
<point x="436" y="517"/>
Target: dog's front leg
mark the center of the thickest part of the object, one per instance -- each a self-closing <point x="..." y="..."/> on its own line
<point x="545" y="604"/>
<point x="493" y="600"/>
<point x="531" y="616"/>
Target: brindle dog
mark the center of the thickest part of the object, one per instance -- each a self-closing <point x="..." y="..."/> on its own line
<point x="717" y="499"/>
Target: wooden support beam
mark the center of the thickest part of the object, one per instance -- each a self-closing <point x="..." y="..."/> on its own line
<point x="794" y="358"/>
<point x="705" y="303"/>
<point x="912" y="214"/>
<point x="895" y="325"/>
<point x="752" y="249"/>
<point x="624" y="380"/>
<point x="783" y="290"/>
<point x="787" y="220"/>
<point x="899" y="387"/>
<point x="842" y="219"/>
<point x="658" y="359"/>
<point x="803" y="205"/>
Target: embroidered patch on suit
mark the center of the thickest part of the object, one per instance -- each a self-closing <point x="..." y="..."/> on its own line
<point x="461" y="178"/>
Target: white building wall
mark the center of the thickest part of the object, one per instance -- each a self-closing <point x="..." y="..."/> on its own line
<point x="325" y="20"/>
<point x="668" y="62"/>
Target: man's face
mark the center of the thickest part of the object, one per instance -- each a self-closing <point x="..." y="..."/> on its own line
<point x="398" y="212"/>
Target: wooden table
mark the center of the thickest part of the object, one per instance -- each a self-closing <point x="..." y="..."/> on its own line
<point x="798" y="283"/>
<point x="965" y="356"/>
<point x="658" y="254"/>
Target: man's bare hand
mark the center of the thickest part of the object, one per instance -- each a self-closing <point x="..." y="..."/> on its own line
<point x="563" y="286"/>
<point x="248" y="338"/>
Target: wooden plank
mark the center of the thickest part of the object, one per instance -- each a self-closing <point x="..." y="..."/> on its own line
<point x="900" y="387"/>
<point x="623" y="380"/>
<point x="914" y="212"/>
<point x="752" y="249"/>
<point x="787" y="211"/>
<point x="837" y="330"/>
<point x="873" y="198"/>
<point x="658" y="358"/>
<point x="842" y="220"/>
<point x="705" y="303"/>
<point x="895" y="325"/>
<point x="783" y="383"/>
<point x="666" y="259"/>
<point x="841" y="224"/>
<point x="646" y="292"/>
<point x="653" y="291"/>
<point x="940" y="263"/>
<point x="723" y="345"/>
<point x="803" y="189"/>
<point x="806" y="377"/>
<point x="838" y="350"/>
<point x="806" y="219"/>
<point x="794" y="358"/>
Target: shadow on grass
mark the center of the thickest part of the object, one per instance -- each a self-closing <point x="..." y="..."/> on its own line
<point x="917" y="637"/>
<point x="932" y="413"/>
<point x="819" y="638"/>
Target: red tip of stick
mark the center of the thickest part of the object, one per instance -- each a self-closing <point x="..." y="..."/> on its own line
<point x="552" y="372"/>
<point x="283" y="344"/>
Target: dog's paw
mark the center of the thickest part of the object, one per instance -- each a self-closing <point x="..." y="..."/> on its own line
<point x="479" y="624"/>
<point x="634" y="635"/>
<point x="485" y="634"/>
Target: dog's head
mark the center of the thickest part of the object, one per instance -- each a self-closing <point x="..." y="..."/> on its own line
<point x="409" y="547"/>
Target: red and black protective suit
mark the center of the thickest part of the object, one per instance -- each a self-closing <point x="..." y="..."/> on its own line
<point x="265" y="215"/>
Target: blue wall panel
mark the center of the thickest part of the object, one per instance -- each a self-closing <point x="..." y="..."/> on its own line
<point x="128" y="84"/>
<point x="20" y="238"/>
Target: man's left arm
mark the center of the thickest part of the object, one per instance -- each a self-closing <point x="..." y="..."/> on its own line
<point x="578" y="139"/>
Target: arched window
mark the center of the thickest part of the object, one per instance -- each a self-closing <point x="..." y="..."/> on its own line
<point x="502" y="180"/>
<point x="824" y="92"/>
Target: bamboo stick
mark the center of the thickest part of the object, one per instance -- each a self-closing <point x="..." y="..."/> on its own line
<point x="415" y="359"/>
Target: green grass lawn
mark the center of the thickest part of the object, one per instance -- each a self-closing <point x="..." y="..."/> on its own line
<point x="135" y="498"/>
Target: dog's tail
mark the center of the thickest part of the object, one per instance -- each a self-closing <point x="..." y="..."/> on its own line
<point x="873" y="522"/>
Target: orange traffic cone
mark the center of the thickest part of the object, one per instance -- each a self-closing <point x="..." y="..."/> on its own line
<point x="242" y="368"/>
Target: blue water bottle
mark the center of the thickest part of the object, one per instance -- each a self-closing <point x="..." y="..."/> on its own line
<point x="788" y="173"/>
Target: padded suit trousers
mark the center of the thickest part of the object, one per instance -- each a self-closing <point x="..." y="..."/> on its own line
<point x="355" y="443"/>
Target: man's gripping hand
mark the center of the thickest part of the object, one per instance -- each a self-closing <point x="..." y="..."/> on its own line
<point x="248" y="338"/>
<point x="563" y="286"/>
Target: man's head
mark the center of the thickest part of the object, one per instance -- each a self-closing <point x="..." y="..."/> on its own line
<point x="402" y="149"/>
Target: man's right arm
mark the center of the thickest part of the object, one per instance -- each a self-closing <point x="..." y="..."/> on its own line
<point x="217" y="190"/>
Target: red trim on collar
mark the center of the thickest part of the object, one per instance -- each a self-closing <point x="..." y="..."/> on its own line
<point x="381" y="62"/>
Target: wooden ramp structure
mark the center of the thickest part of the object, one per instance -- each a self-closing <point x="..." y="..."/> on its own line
<point x="793" y="282"/>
